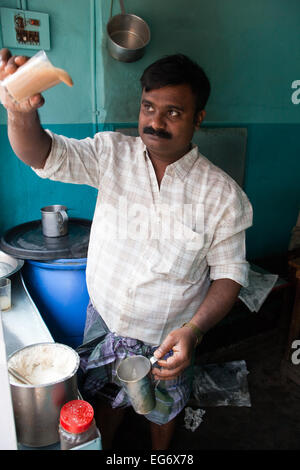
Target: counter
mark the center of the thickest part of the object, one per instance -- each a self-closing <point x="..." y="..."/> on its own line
<point x="20" y="326"/>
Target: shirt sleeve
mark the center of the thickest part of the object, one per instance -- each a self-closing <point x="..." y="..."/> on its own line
<point x="73" y="161"/>
<point x="227" y="254"/>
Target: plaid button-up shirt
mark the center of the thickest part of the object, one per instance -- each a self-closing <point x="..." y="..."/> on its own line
<point x="153" y="250"/>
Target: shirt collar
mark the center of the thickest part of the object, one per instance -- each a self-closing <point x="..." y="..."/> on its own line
<point x="184" y="164"/>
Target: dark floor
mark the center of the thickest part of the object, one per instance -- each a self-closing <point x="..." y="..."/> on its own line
<point x="271" y="423"/>
<point x="273" y="420"/>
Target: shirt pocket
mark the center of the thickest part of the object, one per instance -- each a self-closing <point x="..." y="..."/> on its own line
<point x="180" y="258"/>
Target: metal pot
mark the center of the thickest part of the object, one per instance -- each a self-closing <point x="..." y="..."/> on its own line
<point x="9" y="265"/>
<point x="127" y="36"/>
<point x="37" y="407"/>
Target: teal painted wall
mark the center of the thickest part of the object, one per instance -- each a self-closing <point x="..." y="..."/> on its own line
<point x="249" y="49"/>
<point x="251" y="53"/>
<point x="273" y="185"/>
<point x="70" y="49"/>
<point x="22" y="193"/>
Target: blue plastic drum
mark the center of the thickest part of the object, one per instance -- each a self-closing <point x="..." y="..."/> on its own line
<point x="59" y="291"/>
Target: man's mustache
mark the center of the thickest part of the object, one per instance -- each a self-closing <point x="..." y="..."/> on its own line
<point x="158" y="132"/>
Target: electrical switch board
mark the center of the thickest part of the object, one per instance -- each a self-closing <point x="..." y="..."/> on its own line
<point x="25" y="29"/>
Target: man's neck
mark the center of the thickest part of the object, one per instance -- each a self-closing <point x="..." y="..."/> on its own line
<point x="160" y="164"/>
<point x="159" y="168"/>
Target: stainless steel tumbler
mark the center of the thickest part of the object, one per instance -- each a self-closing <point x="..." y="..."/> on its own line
<point x="54" y="220"/>
<point x="134" y="374"/>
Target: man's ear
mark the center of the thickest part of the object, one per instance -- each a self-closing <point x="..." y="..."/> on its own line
<point x="199" y="118"/>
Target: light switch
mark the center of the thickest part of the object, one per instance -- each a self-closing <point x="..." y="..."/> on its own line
<point x="25" y="29"/>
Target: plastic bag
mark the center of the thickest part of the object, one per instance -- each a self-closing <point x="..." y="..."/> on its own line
<point x="260" y="285"/>
<point x="221" y="385"/>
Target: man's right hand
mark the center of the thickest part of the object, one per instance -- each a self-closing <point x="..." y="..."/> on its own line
<point x="9" y="64"/>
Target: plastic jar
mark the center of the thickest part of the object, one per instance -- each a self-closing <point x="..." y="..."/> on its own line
<point x="77" y="424"/>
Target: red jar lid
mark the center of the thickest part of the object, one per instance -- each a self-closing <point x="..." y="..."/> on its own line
<point x="76" y="416"/>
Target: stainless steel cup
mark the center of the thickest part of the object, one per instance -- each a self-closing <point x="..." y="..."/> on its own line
<point x="134" y="374"/>
<point x="54" y="220"/>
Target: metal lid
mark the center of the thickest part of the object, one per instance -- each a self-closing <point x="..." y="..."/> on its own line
<point x="26" y="241"/>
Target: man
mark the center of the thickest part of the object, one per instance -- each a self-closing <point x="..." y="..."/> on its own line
<point x="160" y="287"/>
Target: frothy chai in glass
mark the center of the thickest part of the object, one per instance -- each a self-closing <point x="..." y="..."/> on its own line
<point x="35" y="76"/>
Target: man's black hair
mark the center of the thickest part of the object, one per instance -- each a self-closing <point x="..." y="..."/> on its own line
<point x="178" y="69"/>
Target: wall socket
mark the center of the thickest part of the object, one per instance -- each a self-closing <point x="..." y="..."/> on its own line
<point x="25" y="29"/>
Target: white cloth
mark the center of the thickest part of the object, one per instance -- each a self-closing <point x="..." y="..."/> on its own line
<point x="143" y="277"/>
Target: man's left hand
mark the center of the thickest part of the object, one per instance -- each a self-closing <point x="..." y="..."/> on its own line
<point x="182" y="342"/>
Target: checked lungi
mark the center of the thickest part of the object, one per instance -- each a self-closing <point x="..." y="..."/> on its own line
<point x="100" y="355"/>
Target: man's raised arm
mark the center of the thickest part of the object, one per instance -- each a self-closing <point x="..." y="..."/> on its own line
<point x="28" y="139"/>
